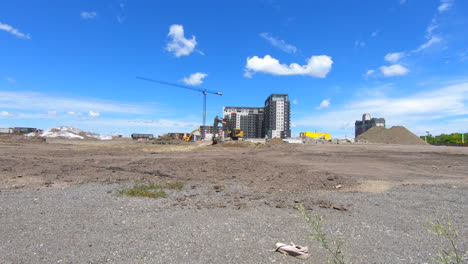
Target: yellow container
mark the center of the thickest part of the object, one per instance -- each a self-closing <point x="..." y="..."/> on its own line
<point x="316" y="135"/>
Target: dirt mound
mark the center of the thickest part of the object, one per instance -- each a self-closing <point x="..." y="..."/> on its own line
<point x="275" y="141"/>
<point x="166" y="139"/>
<point x="393" y="135"/>
<point x="237" y="144"/>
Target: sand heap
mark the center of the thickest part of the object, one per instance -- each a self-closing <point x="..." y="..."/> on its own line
<point x="394" y="135"/>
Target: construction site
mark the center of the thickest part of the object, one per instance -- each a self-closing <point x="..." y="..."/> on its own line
<point x="62" y="201"/>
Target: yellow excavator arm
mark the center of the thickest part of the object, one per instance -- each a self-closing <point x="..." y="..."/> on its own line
<point x="189" y="137"/>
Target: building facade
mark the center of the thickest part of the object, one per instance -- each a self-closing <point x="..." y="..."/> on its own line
<point x="366" y="123"/>
<point x="270" y="121"/>
<point x="277" y="116"/>
<point x="247" y="119"/>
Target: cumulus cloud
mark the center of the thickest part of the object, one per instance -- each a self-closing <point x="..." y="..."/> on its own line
<point x="394" y="70"/>
<point x="13" y="31"/>
<point x="295" y="101"/>
<point x="317" y="66"/>
<point x="394" y="57"/>
<point x="93" y="114"/>
<point x="281" y="44"/>
<point x="195" y="79"/>
<point x="324" y="104"/>
<point x="88" y="15"/>
<point x="179" y="45"/>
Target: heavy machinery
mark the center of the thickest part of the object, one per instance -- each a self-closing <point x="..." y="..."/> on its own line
<point x="233" y="133"/>
<point x="189" y="137"/>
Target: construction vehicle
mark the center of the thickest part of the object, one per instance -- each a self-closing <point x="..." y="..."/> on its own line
<point x="189" y="137"/>
<point x="233" y="133"/>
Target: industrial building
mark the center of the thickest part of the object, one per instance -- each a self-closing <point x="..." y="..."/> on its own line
<point x="270" y="121"/>
<point x="366" y="123"/>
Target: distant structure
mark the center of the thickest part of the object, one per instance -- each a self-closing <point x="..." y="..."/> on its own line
<point x="248" y="119"/>
<point x="277" y="116"/>
<point x="18" y="130"/>
<point x="136" y="136"/>
<point x="366" y="123"/>
<point x="270" y="121"/>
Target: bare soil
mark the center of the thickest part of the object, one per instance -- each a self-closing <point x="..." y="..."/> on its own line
<point x="59" y="200"/>
<point x="274" y="174"/>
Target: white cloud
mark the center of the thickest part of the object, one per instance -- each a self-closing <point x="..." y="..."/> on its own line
<point x="5" y="114"/>
<point x="88" y="15"/>
<point x="295" y="101"/>
<point x="13" y="31"/>
<point x="179" y="45"/>
<point x="374" y="34"/>
<point x="72" y="113"/>
<point x="195" y="79"/>
<point x="369" y="73"/>
<point x="394" y="57"/>
<point x="445" y="5"/>
<point x="281" y="44"/>
<point x="359" y="43"/>
<point x="433" y="40"/>
<point x="324" y="104"/>
<point x="93" y="114"/>
<point x="10" y="80"/>
<point x="52" y="113"/>
<point x="394" y="70"/>
<point x="317" y="66"/>
<point x="39" y="101"/>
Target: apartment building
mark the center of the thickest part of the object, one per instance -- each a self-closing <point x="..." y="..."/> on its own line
<point x="272" y="120"/>
<point x="247" y="119"/>
<point x="277" y="116"/>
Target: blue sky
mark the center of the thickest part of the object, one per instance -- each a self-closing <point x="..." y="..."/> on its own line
<point x="75" y="63"/>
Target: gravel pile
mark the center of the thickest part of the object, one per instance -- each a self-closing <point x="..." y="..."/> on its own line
<point x="393" y="135"/>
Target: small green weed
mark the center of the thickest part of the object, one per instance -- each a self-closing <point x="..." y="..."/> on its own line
<point x="143" y="190"/>
<point x="151" y="190"/>
<point x="333" y="247"/>
<point x="174" y="186"/>
<point x="447" y="231"/>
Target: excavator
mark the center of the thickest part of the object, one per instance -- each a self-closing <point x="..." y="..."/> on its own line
<point x="189" y="137"/>
<point x="233" y="133"/>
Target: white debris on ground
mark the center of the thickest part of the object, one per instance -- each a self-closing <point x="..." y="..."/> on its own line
<point x="53" y="133"/>
<point x="68" y="132"/>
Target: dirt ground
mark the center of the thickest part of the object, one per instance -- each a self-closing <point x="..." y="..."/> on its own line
<point x="59" y="201"/>
<point x="277" y="174"/>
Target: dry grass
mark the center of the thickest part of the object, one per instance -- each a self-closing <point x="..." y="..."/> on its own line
<point x="143" y="190"/>
<point x="151" y="190"/>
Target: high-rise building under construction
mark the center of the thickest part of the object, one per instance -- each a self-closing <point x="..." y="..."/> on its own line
<point x="277" y="116"/>
<point x="272" y="120"/>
